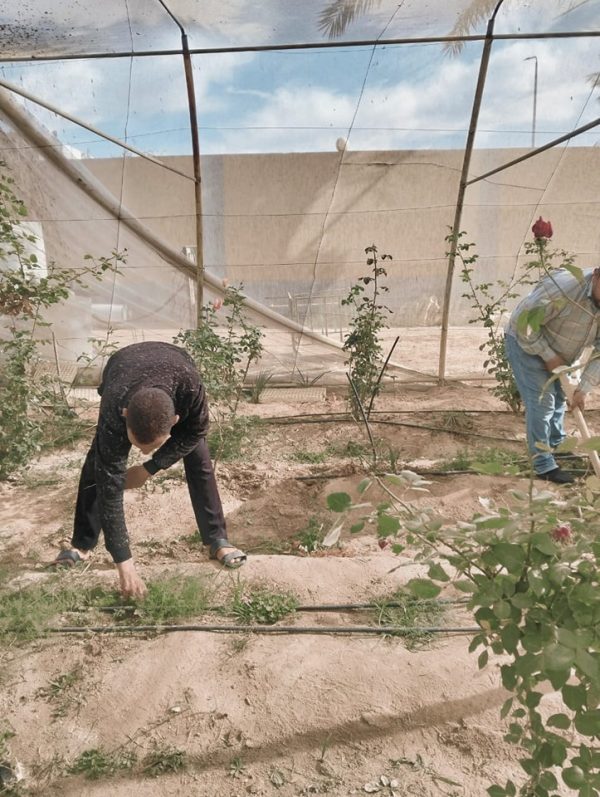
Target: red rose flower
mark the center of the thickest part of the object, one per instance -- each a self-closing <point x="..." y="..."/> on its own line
<point x="562" y="533"/>
<point x="542" y="229"/>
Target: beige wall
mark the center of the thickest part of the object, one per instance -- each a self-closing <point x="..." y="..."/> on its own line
<point x="284" y="223"/>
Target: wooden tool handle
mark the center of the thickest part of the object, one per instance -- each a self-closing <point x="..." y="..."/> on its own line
<point x="581" y="423"/>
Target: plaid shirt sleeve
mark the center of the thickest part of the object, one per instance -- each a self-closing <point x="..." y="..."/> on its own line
<point x="547" y="296"/>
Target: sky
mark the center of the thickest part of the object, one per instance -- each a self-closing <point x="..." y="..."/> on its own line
<point x="389" y="97"/>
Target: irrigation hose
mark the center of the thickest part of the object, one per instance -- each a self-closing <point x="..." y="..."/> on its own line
<point x="324" y="607"/>
<point x="265" y="629"/>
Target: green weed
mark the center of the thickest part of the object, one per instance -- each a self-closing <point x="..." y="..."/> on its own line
<point x="96" y="763"/>
<point x="456" y="422"/>
<point x="175" y="598"/>
<point x="308" y="457"/>
<point x="311" y="537"/>
<point x="236" y="767"/>
<point x="59" y="692"/>
<point x="260" y="383"/>
<point x="228" y="439"/>
<point x="26" y="613"/>
<point x="478" y="460"/>
<point x="163" y="760"/>
<point x="261" y="605"/>
<point x="405" y="611"/>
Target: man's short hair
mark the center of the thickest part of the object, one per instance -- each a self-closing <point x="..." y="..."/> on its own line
<point x="150" y="414"/>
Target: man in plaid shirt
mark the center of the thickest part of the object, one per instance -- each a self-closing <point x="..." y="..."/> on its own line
<point x="550" y="328"/>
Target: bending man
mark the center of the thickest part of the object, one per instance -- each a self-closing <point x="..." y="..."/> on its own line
<point x="153" y="399"/>
<point x="570" y="316"/>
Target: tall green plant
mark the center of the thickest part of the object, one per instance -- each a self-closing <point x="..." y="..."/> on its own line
<point x="28" y="405"/>
<point x="223" y="355"/>
<point x="491" y="300"/>
<point x="362" y="343"/>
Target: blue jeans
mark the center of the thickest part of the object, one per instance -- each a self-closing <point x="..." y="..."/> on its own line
<point x="544" y="411"/>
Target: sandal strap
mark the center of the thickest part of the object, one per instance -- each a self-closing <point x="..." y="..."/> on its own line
<point x="220" y="543"/>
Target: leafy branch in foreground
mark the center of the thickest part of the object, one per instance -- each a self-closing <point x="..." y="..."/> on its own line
<point x="531" y="572"/>
<point x="28" y="404"/>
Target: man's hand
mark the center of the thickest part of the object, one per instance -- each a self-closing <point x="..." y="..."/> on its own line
<point x="577" y="400"/>
<point x="554" y="362"/>
<point x="132" y="585"/>
<point x="136" y="477"/>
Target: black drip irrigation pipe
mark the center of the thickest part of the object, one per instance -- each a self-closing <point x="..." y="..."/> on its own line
<point x="265" y="629"/>
<point x="323" y="476"/>
<point x="325" y="607"/>
<point x="349" y="419"/>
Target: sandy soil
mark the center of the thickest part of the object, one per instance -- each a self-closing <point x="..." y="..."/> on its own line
<point x="290" y="713"/>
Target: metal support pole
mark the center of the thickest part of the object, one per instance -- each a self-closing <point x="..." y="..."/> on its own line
<point x="189" y="79"/>
<point x="535" y="89"/>
<point x="483" y="67"/>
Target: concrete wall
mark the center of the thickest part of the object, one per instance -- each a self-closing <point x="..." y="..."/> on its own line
<point x="293" y="223"/>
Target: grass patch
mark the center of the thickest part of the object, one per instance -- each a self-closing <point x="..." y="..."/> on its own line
<point x="96" y="763"/>
<point x="483" y="459"/>
<point x="59" y="692"/>
<point x="25" y="614"/>
<point x="272" y="547"/>
<point x="453" y="421"/>
<point x="161" y="761"/>
<point x="406" y="611"/>
<point x="175" y="598"/>
<point x="64" y="430"/>
<point x="308" y="457"/>
<point x="349" y="449"/>
<point x="261" y="605"/>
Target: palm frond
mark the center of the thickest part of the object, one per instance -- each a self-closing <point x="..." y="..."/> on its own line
<point x="338" y="15"/>
<point x="477" y="12"/>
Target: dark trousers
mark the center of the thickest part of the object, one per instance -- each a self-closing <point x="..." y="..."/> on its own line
<point x="201" y="484"/>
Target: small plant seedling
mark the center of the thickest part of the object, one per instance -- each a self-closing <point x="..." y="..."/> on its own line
<point x="236" y="767"/>
<point x="95" y="764"/>
<point x="260" y="384"/>
<point x="228" y="438"/>
<point x="260" y="605"/>
<point x="58" y="691"/>
<point x="238" y="643"/>
<point x="305" y="379"/>
<point x="311" y="537"/>
<point x="457" y="422"/>
<point x="308" y="457"/>
<point x="161" y="761"/>
<point x="277" y="777"/>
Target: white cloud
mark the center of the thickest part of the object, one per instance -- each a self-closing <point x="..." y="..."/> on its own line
<point x="433" y="99"/>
